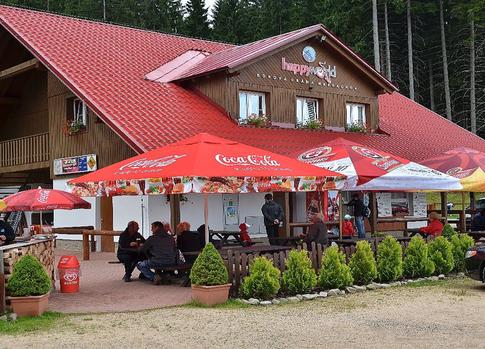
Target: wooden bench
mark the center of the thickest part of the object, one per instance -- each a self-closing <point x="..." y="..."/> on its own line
<point x="182" y="267"/>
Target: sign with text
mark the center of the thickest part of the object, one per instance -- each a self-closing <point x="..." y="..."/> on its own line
<point x="75" y="164"/>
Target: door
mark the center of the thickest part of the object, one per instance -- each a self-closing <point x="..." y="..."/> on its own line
<point x="231" y="211"/>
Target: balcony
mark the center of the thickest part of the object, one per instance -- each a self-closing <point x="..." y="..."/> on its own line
<point x="25" y="153"/>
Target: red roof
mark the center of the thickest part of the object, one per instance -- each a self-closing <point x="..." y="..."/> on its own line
<point x="105" y="65"/>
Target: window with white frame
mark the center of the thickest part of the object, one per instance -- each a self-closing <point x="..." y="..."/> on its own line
<point x="306" y="110"/>
<point x="80" y="112"/>
<point x="356" y="114"/>
<point x="251" y="103"/>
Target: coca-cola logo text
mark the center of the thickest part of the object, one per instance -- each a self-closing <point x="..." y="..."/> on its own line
<point x="249" y="160"/>
<point x="151" y="163"/>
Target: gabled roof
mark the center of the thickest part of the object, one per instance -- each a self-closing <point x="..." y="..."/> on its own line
<point x="105" y="65"/>
<point x="237" y="57"/>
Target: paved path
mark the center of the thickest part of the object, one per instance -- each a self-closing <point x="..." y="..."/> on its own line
<point x="102" y="290"/>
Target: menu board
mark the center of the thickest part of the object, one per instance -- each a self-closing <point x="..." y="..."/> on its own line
<point x="384" y="204"/>
<point x="75" y="164"/>
<point x="419" y="205"/>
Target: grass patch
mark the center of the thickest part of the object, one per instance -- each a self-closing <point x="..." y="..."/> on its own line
<point x="230" y="304"/>
<point x="31" y="324"/>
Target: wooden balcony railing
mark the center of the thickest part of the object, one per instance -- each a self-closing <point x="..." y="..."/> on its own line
<point x="26" y="150"/>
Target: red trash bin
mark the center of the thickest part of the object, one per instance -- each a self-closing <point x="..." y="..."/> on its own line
<point x="69" y="272"/>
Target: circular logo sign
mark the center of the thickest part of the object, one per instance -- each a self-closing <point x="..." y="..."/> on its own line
<point x="316" y="155"/>
<point x="309" y="54"/>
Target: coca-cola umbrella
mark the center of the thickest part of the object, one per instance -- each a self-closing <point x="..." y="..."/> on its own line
<point x="372" y="169"/>
<point x="204" y="164"/>
<point x="39" y="200"/>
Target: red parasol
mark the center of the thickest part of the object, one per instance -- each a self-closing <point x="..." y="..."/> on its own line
<point x="43" y="200"/>
<point x="204" y="164"/>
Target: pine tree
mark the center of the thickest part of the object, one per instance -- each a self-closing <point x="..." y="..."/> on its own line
<point x="225" y="21"/>
<point x="196" y="23"/>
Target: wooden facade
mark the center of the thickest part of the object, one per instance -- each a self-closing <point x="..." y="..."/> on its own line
<point x="283" y="87"/>
<point x="98" y="138"/>
<point x="34" y="114"/>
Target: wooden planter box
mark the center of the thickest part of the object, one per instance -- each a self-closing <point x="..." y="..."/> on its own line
<point x="29" y="306"/>
<point x="211" y="295"/>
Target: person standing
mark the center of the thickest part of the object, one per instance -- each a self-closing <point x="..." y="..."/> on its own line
<point x="129" y="248"/>
<point x="160" y="250"/>
<point x="359" y="213"/>
<point x="273" y="215"/>
<point x="7" y="235"/>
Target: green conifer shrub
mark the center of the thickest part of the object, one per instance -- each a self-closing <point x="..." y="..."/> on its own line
<point x="417" y="262"/>
<point x="209" y="268"/>
<point x="389" y="260"/>
<point x="263" y="281"/>
<point x="334" y="273"/>
<point x="299" y="276"/>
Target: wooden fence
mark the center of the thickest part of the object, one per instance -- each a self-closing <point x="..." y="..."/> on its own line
<point x="238" y="263"/>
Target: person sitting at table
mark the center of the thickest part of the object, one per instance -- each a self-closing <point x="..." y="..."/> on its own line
<point x="478" y="222"/>
<point x="317" y="232"/>
<point x="7" y="235"/>
<point x="160" y="250"/>
<point x="434" y="227"/>
<point x="348" y="229"/>
<point x="188" y="241"/>
<point x="168" y="228"/>
<point x="244" y="234"/>
<point x="128" y="248"/>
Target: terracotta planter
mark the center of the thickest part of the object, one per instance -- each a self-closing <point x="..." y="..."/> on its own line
<point x="211" y="295"/>
<point x="29" y="306"/>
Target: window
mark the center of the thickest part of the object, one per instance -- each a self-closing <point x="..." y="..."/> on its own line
<point x="80" y="115"/>
<point x="251" y="103"/>
<point x="356" y="115"/>
<point x="76" y="112"/>
<point x="306" y="110"/>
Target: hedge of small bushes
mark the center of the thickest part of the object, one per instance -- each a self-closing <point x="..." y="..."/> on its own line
<point x="420" y="259"/>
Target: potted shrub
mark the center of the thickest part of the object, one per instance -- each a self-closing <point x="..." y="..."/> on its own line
<point x="29" y="287"/>
<point x="209" y="277"/>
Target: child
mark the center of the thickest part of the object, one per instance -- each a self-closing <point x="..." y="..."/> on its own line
<point x="245" y="238"/>
<point x="348" y="227"/>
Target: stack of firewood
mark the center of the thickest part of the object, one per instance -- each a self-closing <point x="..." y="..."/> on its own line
<point x="43" y="250"/>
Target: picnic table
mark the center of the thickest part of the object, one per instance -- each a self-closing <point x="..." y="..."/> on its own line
<point x="224" y="236"/>
<point x="289" y="240"/>
<point x="88" y="233"/>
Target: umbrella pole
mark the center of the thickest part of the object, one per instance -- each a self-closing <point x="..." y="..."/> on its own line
<point x="41" y="230"/>
<point x="340" y="214"/>
<point x="206" y="217"/>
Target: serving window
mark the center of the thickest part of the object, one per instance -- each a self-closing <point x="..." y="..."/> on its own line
<point x="306" y="110"/>
<point x="251" y="103"/>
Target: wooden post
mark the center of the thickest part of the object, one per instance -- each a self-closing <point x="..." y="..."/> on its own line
<point x="463" y="213"/>
<point x="107" y="242"/>
<point x="3" y="304"/>
<point x="341" y="214"/>
<point x="373" y="212"/>
<point x="287" y="214"/>
<point x="85" y="247"/>
<point x="174" y="210"/>
<point x="444" y="208"/>
<point x="472" y="202"/>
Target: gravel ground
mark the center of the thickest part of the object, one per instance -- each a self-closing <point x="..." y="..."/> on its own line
<point x="448" y="315"/>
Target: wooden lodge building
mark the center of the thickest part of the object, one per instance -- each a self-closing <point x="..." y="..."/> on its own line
<point x="76" y="95"/>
